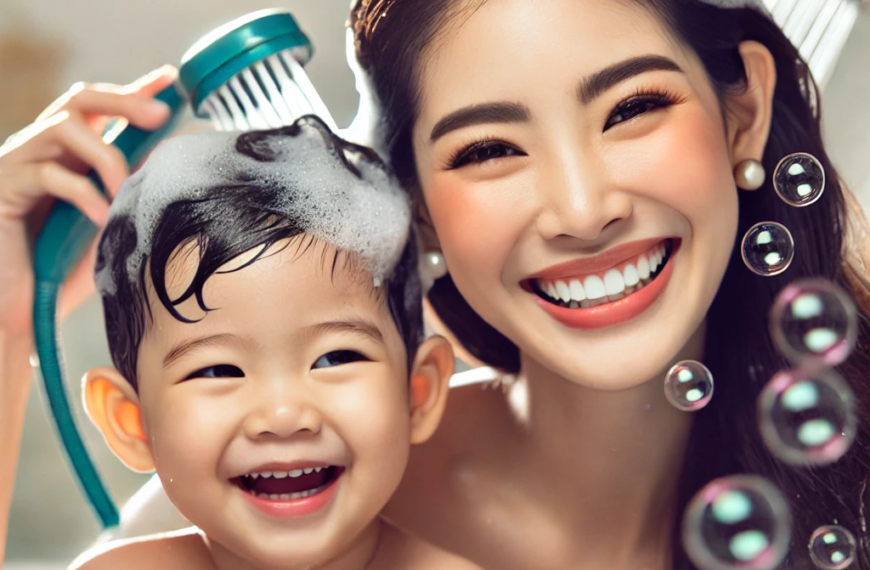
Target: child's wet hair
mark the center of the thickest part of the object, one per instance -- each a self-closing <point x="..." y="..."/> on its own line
<point x="231" y="214"/>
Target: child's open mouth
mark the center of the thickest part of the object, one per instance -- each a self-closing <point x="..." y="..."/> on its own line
<point x="289" y="485"/>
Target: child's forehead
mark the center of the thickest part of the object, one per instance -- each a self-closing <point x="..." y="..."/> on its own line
<point x="299" y="265"/>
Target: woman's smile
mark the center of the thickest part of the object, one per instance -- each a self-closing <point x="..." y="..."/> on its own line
<point x="594" y="299"/>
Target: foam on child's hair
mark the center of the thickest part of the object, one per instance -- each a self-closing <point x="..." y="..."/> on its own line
<point x="364" y="213"/>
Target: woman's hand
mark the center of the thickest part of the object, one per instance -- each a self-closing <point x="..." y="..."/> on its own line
<point x="48" y="160"/>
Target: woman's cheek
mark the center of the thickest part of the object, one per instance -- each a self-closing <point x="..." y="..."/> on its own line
<point x="477" y="223"/>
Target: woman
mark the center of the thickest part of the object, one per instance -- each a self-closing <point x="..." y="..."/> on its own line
<point x="540" y="138"/>
<point x="540" y="134"/>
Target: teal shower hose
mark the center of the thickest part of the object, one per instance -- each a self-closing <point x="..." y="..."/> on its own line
<point x="61" y="244"/>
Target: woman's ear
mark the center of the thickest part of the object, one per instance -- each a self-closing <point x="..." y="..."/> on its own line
<point x="113" y="406"/>
<point x="750" y="112"/>
<point x="430" y="382"/>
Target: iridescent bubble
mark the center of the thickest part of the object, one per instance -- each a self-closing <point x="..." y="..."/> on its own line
<point x="689" y="386"/>
<point x="814" y="323"/>
<point x="737" y="522"/>
<point x="807" y="419"/>
<point x="767" y="249"/>
<point x="832" y="547"/>
<point x="799" y="179"/>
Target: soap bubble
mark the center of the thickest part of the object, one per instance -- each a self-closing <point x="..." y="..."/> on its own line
<point x="807" y="419"/>
<point x="832" y="547"/>
<point x="738" y="522"/>
<point x="814" y="323"/>
<point x="768" y="249"/>
<point x="689" y="386"/>
<point x="799" y="179"/>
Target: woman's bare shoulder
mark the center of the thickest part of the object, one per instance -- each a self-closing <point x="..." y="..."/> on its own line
<point x="182" y="550"/>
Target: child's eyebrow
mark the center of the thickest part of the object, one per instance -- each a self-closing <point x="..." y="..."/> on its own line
<point x="362" y="327"/>
<point x="209" y="340"/>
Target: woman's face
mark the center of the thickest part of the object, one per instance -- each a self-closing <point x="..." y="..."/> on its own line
<point x="575" y="162"/>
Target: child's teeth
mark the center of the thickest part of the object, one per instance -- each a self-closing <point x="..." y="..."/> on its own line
<point x="631" y="277"/>
<point x="643" y="269"/>
<point x="265" y="474"/>
<point x="308" y="471"/>
<point x="273" y="496"/>
<point x="577" y="292"/>
<point x="296" y="473"/>
<point x="551" y="291"/>
<point x="279" y="474"/>
<point x="317" y="469"/>
<point x="563" y="290"/>
<point x="594" y="287"/>
<point x="254" y="475"/>
<point x="614" y="284"/>
<point x="284" y="496"/>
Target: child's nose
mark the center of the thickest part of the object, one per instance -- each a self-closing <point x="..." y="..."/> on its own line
<point x="282" y="415"/>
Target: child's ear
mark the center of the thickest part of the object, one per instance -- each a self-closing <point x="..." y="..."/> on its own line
<point x="113" y="406"/>
<point x="430" y="382"/>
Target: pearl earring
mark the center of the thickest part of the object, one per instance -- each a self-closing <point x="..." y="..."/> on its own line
<point x="435" y="266"/>
<point x="749" y="174"/>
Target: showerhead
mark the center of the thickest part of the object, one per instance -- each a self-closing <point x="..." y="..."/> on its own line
<point x="248" y="74"/>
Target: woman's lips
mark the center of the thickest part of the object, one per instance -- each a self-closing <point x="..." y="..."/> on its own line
<point x="614" y="312"/>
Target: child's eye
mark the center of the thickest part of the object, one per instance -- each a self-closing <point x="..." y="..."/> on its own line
<point x="337" y="358"/>
<point x="638" y="104"/>
<point x="482" y="151"/>
<point x="219" y="371"/>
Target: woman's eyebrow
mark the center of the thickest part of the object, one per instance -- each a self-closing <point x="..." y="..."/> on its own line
<point x="480" y="114"/>
<point x="593" y="86"/>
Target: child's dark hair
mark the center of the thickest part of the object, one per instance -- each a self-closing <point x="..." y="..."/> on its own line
<point x="239" y="214"/>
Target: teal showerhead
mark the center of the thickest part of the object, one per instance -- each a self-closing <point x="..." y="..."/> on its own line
<point x="248" y="74"/>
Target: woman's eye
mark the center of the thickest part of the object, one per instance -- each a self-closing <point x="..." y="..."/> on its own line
<point x="482" y="152"/>
<point x="337" y="358"/>
<point x="636" y="107"/>
<point x="219" y="371"/>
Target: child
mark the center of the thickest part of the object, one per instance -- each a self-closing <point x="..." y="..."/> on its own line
<point x="263" y="308"/>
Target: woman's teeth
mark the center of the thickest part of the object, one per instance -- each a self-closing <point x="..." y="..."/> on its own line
<point x="592" y="290"/>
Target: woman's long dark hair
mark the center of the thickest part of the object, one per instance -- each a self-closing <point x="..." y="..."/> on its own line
<point x="392" y="35"/>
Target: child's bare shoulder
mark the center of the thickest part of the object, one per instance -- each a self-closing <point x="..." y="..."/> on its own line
<point x="401" y="550"/>
<point x="182" y="550"/>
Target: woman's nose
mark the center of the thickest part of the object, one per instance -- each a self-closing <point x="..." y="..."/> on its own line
<point x="578" y="200"/>
<point x="281" y="410"/>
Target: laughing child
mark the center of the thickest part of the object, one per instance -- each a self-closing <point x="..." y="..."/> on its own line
<point x="263" y="309"/>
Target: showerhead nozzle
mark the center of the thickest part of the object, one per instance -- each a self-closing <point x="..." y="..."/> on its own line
<point x="248" y="74"/>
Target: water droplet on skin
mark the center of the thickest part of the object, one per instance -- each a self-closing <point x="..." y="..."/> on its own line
<point x="807" y="419"/>
<point x="689" y="386"/>
<point x="767" y="249"/>
<point x="832" y="547"/>
<point x="738" y="522"/>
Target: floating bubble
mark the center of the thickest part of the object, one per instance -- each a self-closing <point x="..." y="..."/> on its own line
<point x="799" y="179"/>
<point x="768" y="249"/>
<point x="807" y="419"/>
<point x="689" y="386"/>
<point x="832" y="547"/>
<point x="737" y="522"/>
<point x="814" y="323"/>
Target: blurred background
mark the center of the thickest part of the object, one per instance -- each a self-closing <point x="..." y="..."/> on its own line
<point x="46" y="45"/>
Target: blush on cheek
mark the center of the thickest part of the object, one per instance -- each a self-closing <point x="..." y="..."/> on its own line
<point x="683" y="164"/>
<point x="474" y="222"/>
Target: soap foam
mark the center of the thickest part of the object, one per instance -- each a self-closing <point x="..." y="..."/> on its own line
<point x="366" y="215"/>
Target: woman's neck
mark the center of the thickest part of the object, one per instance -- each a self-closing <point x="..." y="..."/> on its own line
<point x="613" y="459"/>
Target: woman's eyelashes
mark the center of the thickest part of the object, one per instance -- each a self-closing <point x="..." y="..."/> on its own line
<point x="339" y="357"/>
<point x="638" y="104"/>
<point x="487" y="149"/>
<point x="217" y="371"/>
<point x="482" y="151"/>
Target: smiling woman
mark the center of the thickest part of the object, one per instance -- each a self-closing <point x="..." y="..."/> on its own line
<point x="579" y="163"/>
